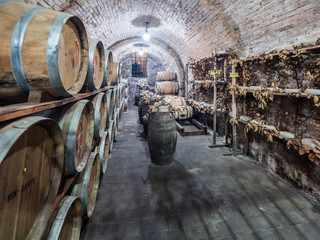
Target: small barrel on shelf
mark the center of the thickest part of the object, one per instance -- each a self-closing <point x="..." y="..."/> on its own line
<point x="87" y="184"/>
<point x="100" y="114"/>
<point x="52" y="58"/>
<point x="166" y="87"/>
<point x="31" y="166"/>
<point x="96" y="68"/>
<point x="162" y="137"/>
<point x="110" y="104"/>
<point x="111" y="131"/>
<point x="77" y="124"/>
<point x="166" y="76"/>
<point x="66" y="220"/>
<point x="103" y="150"/>
<point x="107" y="79"/>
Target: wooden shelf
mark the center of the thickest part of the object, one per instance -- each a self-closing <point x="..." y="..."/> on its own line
<point x="23" y="109"/>
<point x="305" y="50"/>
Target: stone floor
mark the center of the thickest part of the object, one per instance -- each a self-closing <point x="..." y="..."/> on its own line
<point x="202" y="195"/>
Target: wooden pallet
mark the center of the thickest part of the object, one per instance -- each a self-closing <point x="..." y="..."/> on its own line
<point x="190" y="128"/>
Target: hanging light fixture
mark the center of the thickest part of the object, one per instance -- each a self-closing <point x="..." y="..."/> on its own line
<point x="141" y="52"/>
<point x="146" y="35"/>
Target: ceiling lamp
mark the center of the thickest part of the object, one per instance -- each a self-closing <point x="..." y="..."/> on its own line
<point x="141" y="52"/>
<point x="146" y="35"/>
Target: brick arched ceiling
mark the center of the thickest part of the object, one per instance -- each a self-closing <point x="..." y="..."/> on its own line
<point x="193" y="28"/>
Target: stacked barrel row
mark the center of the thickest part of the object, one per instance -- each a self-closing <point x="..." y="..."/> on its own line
<point x="167" y="83"/>
<point x="49" y="51"/>
<point x="41" y="152"/>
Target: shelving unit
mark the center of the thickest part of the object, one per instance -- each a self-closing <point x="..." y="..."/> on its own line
<point x="13" y="111"/>
<point x="312" y="94"/>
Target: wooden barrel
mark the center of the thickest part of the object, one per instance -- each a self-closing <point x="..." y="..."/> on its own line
<point x="31" y="165"/>
<point x="163" y="88"/>
<point x="184" y="113"/>
<point x="110" y="104"/>
<point x="67" y="220"/>
<point x="100" y="114"/>
<point x="166" y="76"/>
<point x="119" y="68"/>
<point x="107" y="69"/>
<point x="41" y="50"/>
<point x="77" y="124"/>
<point x="176" y="101"/>
<point x="103" y="150"/>
<point x="143" y="109"/>
<point x="116" y="119"/>
<point x="119" y="95"/>
<point x="116" y="97"/>
<point x="111" y="131"/>
<point x="96" y="66"/>
<point x="87" y="184"/>
<point x="113" y="74"/>
<point x="137" y="96"/>
<point x="162" y="137"/>
<point x="125" y="105"/>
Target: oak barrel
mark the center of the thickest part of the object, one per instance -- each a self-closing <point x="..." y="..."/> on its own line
<point x="66" y="222"/>
<point x="116" y="119"/>
<point x="113" y="74"/>
<point x="107" y="81"/>
<point x="183" y="113"/>
<point x="31" y="166"/>
<point x="162" y="137"/>
<point x="96" y="66"/>
<point x="77" y="124"/>
<point x="166" y="76"/>
<point x="87" y="184"/>
<point x="41" y="50"/>
<point x="143" y="109"/>
<point x="103" y="150"/>
<point x="111" y="131"/>
<point x="110" y="104"/>
<point x="167" y="87"/>
<point x="100" y="114"/>
<point x="176" y="101"/>
<point x="116" y="97"/>
<point x="119" y="73"/>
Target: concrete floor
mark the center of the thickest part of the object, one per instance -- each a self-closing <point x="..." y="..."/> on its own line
<point x="202" y="195"/>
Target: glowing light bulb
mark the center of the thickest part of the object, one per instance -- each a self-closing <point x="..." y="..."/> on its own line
<point x="146" y="37"/>
<point x="140" y="52"/>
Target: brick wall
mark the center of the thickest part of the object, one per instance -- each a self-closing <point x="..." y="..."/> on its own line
<point x="193" y="28"/>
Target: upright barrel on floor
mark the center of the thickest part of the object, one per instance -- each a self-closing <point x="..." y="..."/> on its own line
<point x="96" y="68"/>
<point x="31" y="165"/>
<point x="87" y="185"/>
<point x="162" y="137"/>
<point x="66" y="221"/>
<point x="41" y="50"/>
